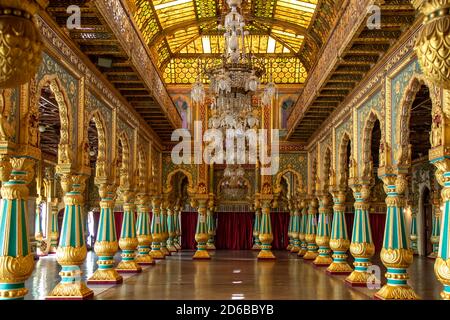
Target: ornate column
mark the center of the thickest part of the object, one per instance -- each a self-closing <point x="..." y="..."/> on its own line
<point x="143" y="232"/>
<point x="413" y="230"/>
<point x="361" y="246"/>
<point x="291" y="217"/>
<point x="164" y="229"/>
<point x="72" y="251"/>
<point x="201" y="232"/>
<point x="339" y="242"/>
<point x="52" y="208"/>
<point x="436" y="225"/>
<point x="302" y="230"/>
<point x="38" y="236"/>
<point x="171" y="229"/>
<point x="128" y="241"/>
<point x="211" y="225"/>
<point x="265" y="231"/>
<point x="176" y="218"/>
<point x="296" y="228"/>
<point x="257" y="225"/>
<point x="156" y="230"/>
<point x="311" y="229"/>
<point x="16" y="260"/>
<point x="323" y="231"/>
<point x="396" y="254"/>
<point x="106" y="244"/>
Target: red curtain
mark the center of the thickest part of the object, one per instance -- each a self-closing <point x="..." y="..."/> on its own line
<point x="234" y="230"/>
<point x="188" y="225"/>
<point x="118" y="219"/>
<point x="280" y="227"/>
<point x="377" y="222"/>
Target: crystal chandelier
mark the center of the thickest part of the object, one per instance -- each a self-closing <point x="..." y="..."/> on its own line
<point x="234" y="185"/>
<point x="235" y="80"/>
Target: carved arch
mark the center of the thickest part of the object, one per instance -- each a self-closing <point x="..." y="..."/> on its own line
<point x="125" y="166"/>
<point x="367" y="141"/>
<point x="65" y="154"/>
<point x="142" y="171"/>
<point x="169" y="185"/>
<point x="343" y="164"/>
<point x="403" y="152"/>
<point x="299" y="178"/>
<point x="103" y="146"/>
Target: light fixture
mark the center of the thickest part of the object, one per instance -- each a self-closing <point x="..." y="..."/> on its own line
<point x="92" y="153"/>
<point x="42" y="128"/>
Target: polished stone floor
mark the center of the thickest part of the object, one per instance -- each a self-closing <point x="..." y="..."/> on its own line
<point x="229" y="275"/>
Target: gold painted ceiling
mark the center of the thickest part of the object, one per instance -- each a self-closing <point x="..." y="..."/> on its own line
<point x="287" y="34"/>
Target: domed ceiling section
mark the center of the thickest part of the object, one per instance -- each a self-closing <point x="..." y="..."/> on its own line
<point x="183" y="34"/>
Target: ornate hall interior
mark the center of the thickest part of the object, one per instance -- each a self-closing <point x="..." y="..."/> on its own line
<point x="225" y="149"/>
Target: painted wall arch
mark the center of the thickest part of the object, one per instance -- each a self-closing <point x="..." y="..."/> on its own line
<point x="298" y="177"/>
<point x="343" y="161"/>
<point x="169" y="183"/>
<point x="366" y="145"/>
<point x="102" y="169"/>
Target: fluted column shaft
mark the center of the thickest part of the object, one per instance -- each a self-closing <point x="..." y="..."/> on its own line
<point x="339" y="241"/>
<point x="413" y="232"/>
<point x="54" y="232"/>
<point x="171" y="229"/>
<point x="323" y="232"/>
<point x="291" y="218"/>
<point x="71" y="252"/>
<point x="176" y="218"/>
<point x="256" y="227"/>
<point x="106" y="244"/>
<point x="265" y="232"/>
<point x="143" y="232"/>
<point x="296" y="230"/>
<point x="201" y="232"/>
<point x="211" y="225"/>
<point x="311" y="229"/>
<point x="436" y="229"/>
<point x="128" y="241"/>
<point x="361" y="247"/>
<point x="396" y="253"/>
<point x="303" y="228"/>
<point x="156" y="231"/>
<point x="16" y="260"/>
<point x="164" y="230"/>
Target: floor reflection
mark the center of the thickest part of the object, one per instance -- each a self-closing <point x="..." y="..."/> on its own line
<point x="229" y="275"/>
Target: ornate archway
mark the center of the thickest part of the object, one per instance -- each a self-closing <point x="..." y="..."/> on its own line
<point x="367" y="142"/>
<point x="65" y="154"/>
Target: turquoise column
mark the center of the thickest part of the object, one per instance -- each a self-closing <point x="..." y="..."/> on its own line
<point x="54" y="232"/>
<point x="361" y="246"/>
<point x="176" y="218"/>
<point x="201" y="232"/>
<point x="265" y="232"/>
<point x="164" y="229"/>
<point x="143" y="232"/>
<point x="296" y="229"/>
<point x="323" y="232"/>
<point x="396" y="254"/>
<point x="37" y="221"/>
<point x="436" y="225"/>
<point x="311" y="229"/>
<point x="339" y="241"/>
<point x="171" y="229"/>
<point x="156" y="230"/>
<point x="291" y="217"/>
<point x="16" y="260"/>
<point x="303" y="226"/>
<point x="441" y="266"/>
<point x="128" y="241"/>
<point x="256" y="227"/>
<point x="106" y="244"/>
<point x="210" y="225"/>
<point x="72" y="251"/>
<point x="413" y="231"/>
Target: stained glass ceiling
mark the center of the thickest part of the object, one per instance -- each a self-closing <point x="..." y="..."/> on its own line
<point x="182" y="33"/>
